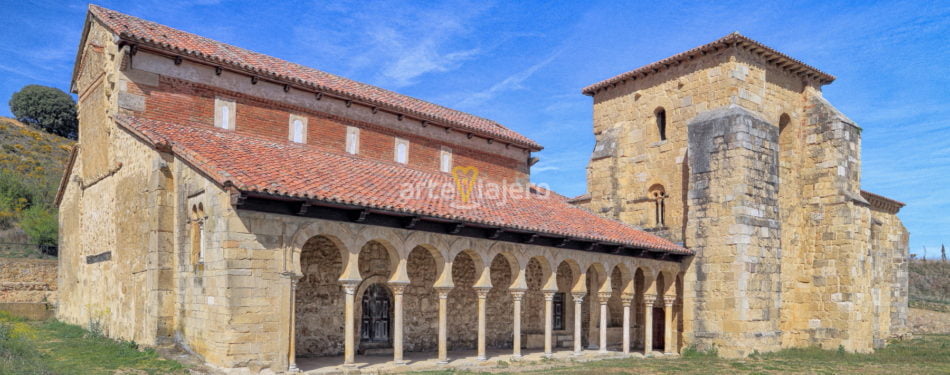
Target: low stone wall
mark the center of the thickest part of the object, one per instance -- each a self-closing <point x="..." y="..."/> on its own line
<point x="28" y="310"/>
<point x="27" y="280"/>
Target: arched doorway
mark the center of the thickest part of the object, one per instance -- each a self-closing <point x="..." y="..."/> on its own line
<point x="376" y="320"/>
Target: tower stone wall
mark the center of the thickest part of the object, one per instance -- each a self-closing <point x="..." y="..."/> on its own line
<point x="734" y="227"/>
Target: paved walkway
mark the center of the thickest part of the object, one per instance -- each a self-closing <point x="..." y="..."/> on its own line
<point x="498" y="359"/>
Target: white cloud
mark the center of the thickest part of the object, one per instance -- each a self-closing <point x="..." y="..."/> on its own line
<point x="397" y="43"/>
<point x="512" y="82"/>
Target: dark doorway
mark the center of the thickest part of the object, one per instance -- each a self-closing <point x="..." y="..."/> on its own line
<point x="558" y="311"/>
<point x="376" y="316"/>
<point x="658" y="329"/>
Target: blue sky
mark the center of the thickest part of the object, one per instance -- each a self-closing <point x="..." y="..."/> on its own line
<point x="524" y="64"/>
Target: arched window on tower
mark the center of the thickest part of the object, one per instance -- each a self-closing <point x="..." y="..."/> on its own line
<point x="658" y="195"/>
<point x="660" y="114"/>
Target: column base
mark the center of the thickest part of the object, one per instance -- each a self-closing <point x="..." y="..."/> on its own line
<point x="443" y="362"/>
<point x="515" y="356"/>
<point x="577" y="354"/>
<point x="481" y="358"/>
<point x="293" y="368"/>
<point x="401" y="362"/>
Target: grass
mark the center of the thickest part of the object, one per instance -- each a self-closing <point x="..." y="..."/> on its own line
<point x="53" y="347"/>
<point x="922" y="355"/>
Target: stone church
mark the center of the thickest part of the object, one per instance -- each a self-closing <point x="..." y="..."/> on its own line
<point x="264" y="215"/>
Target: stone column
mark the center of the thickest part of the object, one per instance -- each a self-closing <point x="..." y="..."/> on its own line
<point x="482" y="299"/>
<point x="548" y="322"/>
<point x="292" y="356"/>
<point x="398" y="290"/>
<point x="516" y="296"/>
<point x="443" y="324"/>
<point x="648" y="300"/>
<point x="626" y="299"/>
<point x="603" y="297"/>
<point x="668" y="324"/>
<point x="578" y="311"/>
<point x="349" y="328"/>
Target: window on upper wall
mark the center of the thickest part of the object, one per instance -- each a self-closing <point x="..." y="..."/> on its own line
<point x="660" y="114"/>
<point x="352" y="140"/>
<point x="198" y="219"/>
<point x="224" y="113"/>
<point x="445" y="160"/>
<point x="298" y="129"/>
<point x="658" y="194"/>
<point x="402" y="151"/>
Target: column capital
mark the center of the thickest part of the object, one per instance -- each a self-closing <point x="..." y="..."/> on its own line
<point x="578" y="297"/>
<point x="398" y="288"/>
<point x="549" y="295"/>
<point x="669" y="300"/>
<point x="349" y="286"/>
<point x="649" y="299"/>
<point x="603" y="297"/>
<point x="626" y="299"/>
<point x="443" y="291"/>
<point x="517" y="294"/>
<point x="482" y="292"/>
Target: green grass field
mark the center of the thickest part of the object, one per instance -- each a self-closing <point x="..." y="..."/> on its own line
<point x="53" y="347"/>
<point x="922" y="355"/>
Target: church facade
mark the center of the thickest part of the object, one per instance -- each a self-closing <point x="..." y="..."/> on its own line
<point x="265" y="215"/>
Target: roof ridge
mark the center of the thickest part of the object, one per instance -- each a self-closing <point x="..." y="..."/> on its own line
<point x="332" y="83"/>
<point x="727" y="41"/>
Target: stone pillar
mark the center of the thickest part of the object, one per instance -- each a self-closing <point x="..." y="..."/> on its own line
<point x="626" y="299"/>
<point x="482" y="299"/>
<point x="648" y="300"/>
<point x="443" y="324"/>
<point x="398" y="290"/>
<point x="578" y="311"/>
<point x="668" y="324"/>
<point x="349" y="328"/>
<point x="735" y="229"/>
<point x="516" y="296"/>
<point x="548" y="322"/>
<point x="603" y="297"/>
<point x="292" y="351"/>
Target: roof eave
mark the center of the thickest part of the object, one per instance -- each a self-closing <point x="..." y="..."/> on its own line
<point x="299" y="84"/>
<point x="733" y="40"/>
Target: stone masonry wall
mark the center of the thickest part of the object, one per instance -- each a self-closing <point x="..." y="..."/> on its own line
<point x="827" y="300"/>
<point x="28" y="280"/>
<point x="629" y="157"/>
<point x="734" y="228"/>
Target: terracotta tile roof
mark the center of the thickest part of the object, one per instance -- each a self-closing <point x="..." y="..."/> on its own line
<point x="260" y="165"/>
<point x="139" y="31"/>
<point x="734" y="39"/>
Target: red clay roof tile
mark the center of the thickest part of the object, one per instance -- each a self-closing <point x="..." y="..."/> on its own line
<point x="253" y="164"/>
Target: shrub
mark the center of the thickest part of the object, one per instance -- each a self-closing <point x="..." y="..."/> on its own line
<point x="41" y="224"/>
<point x="46" y="108"/>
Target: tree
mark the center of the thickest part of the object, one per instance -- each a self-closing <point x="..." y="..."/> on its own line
<point x="46" y="108"/>
<point x="943" y="253"/>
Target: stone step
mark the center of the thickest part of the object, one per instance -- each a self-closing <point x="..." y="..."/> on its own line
<point x="378" y="352"/>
